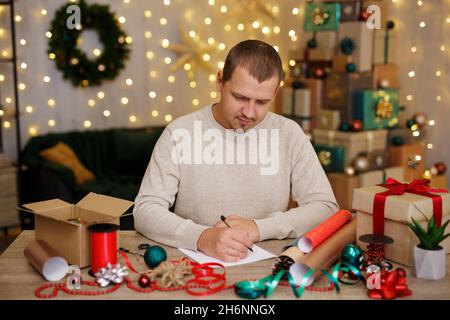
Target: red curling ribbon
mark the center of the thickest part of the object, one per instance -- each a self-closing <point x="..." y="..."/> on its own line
<point x="417" y="186"/>
<point x="103" y="245"/>
<point x="127" y="261"/>
<point x="393" y="285"/>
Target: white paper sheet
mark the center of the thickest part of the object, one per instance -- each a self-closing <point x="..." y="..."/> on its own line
<point x="258" y="254"/>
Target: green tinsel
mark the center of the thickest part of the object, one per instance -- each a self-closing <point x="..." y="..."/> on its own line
<point x="63" y="44"/>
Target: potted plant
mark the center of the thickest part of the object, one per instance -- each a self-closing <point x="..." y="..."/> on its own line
<point x="429" y="256"/>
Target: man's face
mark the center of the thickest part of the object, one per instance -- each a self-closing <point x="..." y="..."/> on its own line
<point x="244" y="101"/>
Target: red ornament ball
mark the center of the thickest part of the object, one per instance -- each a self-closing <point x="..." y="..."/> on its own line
<point x="364" y="15"/>
<point x="441" y="167"/>
<point x="144" y="281"/>
<point x="356" y="126"/>
<point x="319" y="73"/>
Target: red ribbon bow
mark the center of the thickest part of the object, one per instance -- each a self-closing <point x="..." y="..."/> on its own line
<point x="392" y="285"/>
<point x="417" y="186"/>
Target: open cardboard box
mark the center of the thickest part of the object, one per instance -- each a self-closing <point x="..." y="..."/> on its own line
<point x="64" y="226"/>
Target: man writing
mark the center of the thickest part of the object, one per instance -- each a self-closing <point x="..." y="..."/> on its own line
<point x="254" y="201"/>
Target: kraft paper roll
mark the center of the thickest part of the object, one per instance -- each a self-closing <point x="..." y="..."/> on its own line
<point x="294" y="253"/>
<point x="319" y="234"/>
<point x="325" y="254"/>
<point x="46" y="261"/>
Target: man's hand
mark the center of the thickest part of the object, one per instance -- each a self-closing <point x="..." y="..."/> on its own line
<point x="240" y="223"/>
<point x="226" y="244"/>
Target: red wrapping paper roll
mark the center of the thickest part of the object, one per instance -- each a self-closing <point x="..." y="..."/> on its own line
<point x="103" y="245"/>
<point x="323" y="231"/>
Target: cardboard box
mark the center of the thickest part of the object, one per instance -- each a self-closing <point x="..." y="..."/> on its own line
<point x="386" y="73"/>
<point x="320" y="54"/>
<point x="439" y="181"/>
<point x="54" y="223"/>
<point x="343" y="186"/>
<point x="363" y="39"/>
<point x="398" y="211"/>
<point x="340" y="88"/>
<point x="354" y="143"/>
<point x="340" y="62"/>
<point x="405" y="134"/>
<point x="406" y="156"/>
<point x="328" y="119"/>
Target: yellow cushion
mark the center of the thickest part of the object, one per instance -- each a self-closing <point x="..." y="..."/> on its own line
<point x="62" y="154"/>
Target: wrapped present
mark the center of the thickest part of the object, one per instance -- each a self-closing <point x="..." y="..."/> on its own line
<point x="383" y="54"/>
<point x="354" y="143"/>
<point x="399" y="136"/>
<point x="411" y="157"/>
<point x="328" y="119"/>
<point x="296" y="102"/>
<point x="386" y="209"/>
<point x="340" y="88"/>
<point x="321" y="54"/>
<point x="385" y="76"/>
<point x="339" y="62"/>
<point x="350" y="10"/>
<point x="377" y="108"/>
<point x="378" y="159"/>
<point x="331" y="158"/>
<point x="344" y="184"/>
<point x="322" y="16"/>
<point x="324" y="39"/>
<point x="362" y="38"/>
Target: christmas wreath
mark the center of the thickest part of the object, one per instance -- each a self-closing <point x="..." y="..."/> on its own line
<point x="72" y="61"/>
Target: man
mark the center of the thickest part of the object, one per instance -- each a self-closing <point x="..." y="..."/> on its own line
<point x="198" y="160"/>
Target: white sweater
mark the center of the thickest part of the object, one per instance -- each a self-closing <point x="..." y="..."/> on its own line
<point x="205" y="191"/>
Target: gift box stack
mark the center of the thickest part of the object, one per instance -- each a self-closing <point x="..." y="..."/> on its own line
<point x="343" y="90"/>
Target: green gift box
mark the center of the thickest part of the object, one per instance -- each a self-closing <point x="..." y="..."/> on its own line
<point x="377" y="108"/>
<point x="331" y="158"/>
<point x="322" y="16"/>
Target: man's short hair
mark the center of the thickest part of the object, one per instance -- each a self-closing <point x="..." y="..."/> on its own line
<point x="260" y="59"/>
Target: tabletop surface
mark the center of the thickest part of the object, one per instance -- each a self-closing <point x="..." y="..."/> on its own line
<point x="18" y="279"/>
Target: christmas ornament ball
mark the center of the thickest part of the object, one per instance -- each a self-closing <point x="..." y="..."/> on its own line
<point x="420" y="119"/>
<point x="312" y="43"/>
<point x="349" y="171"/>
<point x="434" y="171"/>
<point x="144" y="281"/>
<point x="319" y="73"/>
<point x="390" y="24"/>
<point x="154" y="255"/>
<point x="441" y="167"/>
<point x="344" y="126"/>
<point x="356" y="125"/>
<point x="350" y="67"/>
<point x="410" y="123"/>
<point x="398" y="141"/>
<point x="361" y="163"/>
<point x="364" y="15"/>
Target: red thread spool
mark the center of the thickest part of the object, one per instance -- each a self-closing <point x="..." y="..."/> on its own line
<point x="103" y="246"/>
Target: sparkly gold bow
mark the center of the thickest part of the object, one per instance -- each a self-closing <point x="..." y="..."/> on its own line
<point x="320" y="17"/>
<point x="325" y="157"/>
<point x="384" y="109"/>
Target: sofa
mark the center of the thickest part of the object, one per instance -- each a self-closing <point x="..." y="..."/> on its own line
<point x="118" y="159"/>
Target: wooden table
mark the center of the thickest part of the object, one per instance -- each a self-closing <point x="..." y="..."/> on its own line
<point x="18" y="279"/>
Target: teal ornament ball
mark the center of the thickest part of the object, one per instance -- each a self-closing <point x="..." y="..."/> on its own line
<point x="410" y="123"/>
<point x="350" y="67"/>
<point x="398" y="141"/>
<point x="154" y="255"/>
<point x="312" y="43"/>
<point x="347" y="46"/>
<point x="344" y="126"/>
<point x="352" y="255"/>
<point x="390" y="24"/>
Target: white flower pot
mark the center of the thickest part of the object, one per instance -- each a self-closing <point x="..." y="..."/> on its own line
<point x="429" y="264"/>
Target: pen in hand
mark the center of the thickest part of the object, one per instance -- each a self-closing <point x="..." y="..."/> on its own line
<point x="223" y="219"/>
